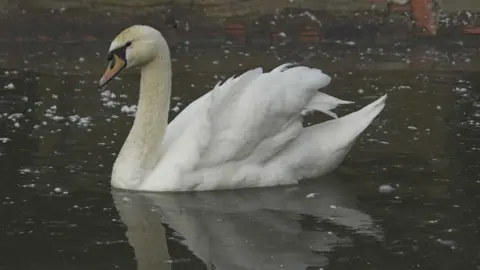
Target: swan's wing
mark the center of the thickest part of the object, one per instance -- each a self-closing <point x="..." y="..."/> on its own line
<point x="256" y="109"/>
<point x="180" y="123"/>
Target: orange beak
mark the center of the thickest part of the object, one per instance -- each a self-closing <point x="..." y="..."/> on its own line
<point x="114" y="67"/>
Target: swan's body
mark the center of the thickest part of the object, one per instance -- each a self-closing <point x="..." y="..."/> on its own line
<point x="246" y="132"/>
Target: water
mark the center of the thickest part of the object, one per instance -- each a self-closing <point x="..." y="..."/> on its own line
<point x="405" y="198"/>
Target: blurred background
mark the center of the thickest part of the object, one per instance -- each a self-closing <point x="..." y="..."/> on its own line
<point x="405" y="198"/>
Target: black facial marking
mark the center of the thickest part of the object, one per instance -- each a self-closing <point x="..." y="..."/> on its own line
<point x="112" y="63"/>
<point x="120" y="52"/>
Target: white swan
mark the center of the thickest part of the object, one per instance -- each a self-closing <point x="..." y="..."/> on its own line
<point x="246" y="132"/>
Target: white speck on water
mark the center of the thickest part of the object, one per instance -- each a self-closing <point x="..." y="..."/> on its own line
<point x="439" y="107"/>
<point x="126" y="199"/>
<point x="385" y="189"/>
<point x="84" y="121"/>
<point x="81" y="59"/>
<point x="460" y="89"/>
<point x="333" y="206"/>
<point x="57" y="189"/>
<point x="350" y="43"/>
<point x="311" y="17"/>
<point x="9" y="86"/>
<point x="74" y="118"/>
<point x="17" y="125"/>
<point x="412" y="128"/>
<point x="57" y="118"/>
<point x="5" y="140"/>
<point x="127" y="109"/>
<point x="311" y="195"/>
<point x="282" y="34"/>
<point x="450" y="243"/>
<point x="176" y="109"/>
<point x="106" y="93"/>
<point x="109" y="104"/>
<point x="15" y="116"/>
<point x="361" y="91"/>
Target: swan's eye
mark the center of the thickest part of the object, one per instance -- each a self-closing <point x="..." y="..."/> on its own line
<point x="128" y="44"/>
<point x="112" y="62"/>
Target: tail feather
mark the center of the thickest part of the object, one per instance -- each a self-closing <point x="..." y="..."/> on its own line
<point x="364" y="117"/>
<point x="322" y="147"/>
<point x="324" y="103"/>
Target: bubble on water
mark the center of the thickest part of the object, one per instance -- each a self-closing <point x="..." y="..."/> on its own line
<point x="109" y="104"/>
<point x="176" y="109"/>
<point x="351" y="43"/>
<point x="5" y="140"/>
<point x="9" y="86"/>
<point x="311" y="195"/>
<point x="460" y="89"/>
<point x="15" y="116"/>
<point x="386" y="189"/>
<point x="74" y="118"/>
<point x="412" y="128"/>
<point x="57" y="189"/>
<point x="127" y="109"/>
<point x="84" y="121"/>
<point x="57" y="118"/>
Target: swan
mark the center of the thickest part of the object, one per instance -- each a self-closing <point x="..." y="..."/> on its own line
<point x="246" y="132"/>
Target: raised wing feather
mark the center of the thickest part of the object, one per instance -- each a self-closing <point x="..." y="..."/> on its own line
<point x="257" y="107"/>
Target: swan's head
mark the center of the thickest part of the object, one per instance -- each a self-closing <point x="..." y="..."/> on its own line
<point x="137" y="45"/>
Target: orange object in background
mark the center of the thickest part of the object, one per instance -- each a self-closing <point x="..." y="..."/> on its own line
<point x="424" y="16"/>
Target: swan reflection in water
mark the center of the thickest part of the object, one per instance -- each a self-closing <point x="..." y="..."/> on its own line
<point x="267" y="228"/>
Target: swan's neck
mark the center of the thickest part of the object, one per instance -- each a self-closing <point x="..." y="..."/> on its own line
<point x="142" y="148"/>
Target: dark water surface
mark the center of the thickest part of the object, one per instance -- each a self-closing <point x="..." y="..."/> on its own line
<point x="60" y="135"/>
